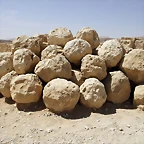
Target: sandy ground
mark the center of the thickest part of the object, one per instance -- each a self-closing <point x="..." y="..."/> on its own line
<point x="112" y="124"/>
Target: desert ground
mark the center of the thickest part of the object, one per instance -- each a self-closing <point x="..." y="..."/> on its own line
<point x="111" y="124"/>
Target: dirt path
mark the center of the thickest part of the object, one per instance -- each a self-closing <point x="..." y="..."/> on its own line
<point x="112" y="124"/>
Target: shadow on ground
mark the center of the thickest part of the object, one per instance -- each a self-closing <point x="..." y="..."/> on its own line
<point x="107" y="109"/>
<point x="78" y="112"/>
<point x="32" y="107"/>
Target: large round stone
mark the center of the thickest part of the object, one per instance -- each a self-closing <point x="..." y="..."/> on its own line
<point x="57" y="67"/>
<point x="92" y="93"/>
<point x="24" y="61"/>
<point x="117" y="86"/>
<point x="76" y="49"/>
<point x="111" y="51"/>
<point x="60" y="95"/>
<point x="90" y="35"/>
<point x="133" y="65"/>
<point x="26" y="88"/>
<point x="59" y="36"/>
<point x="93" y="66"/>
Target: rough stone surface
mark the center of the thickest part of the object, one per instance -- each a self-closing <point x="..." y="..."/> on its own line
<point x="127" y="44"/>
<point x="6" y="63"/>
<point x="139" y="95"/>
<point x="92" y="93"/>
<point x="26" y="88"/>
<point x="42" y="40"/>
<point x="59" y="36"/>
<point x="133" y="65"/>
<point x="90" y="35"/>
<point x="5" y="83"/>
<point x="76" y="49"/>
<point x="93" y="66"/>
<point x="60" y="95"/>
<point x="112" y="52"/>
<point x="77" y="77"/>
<point x="57" y="67"/>
<point x="139" y="44"/>
<point x="24" y="61"/>
<point x="20" y="41"/>
<point x="117" y="87"/>
<point x="51" y="51"/>
<point x="31" y="43"/>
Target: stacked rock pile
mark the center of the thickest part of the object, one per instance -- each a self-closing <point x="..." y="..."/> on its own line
<point x="63" y="69"/>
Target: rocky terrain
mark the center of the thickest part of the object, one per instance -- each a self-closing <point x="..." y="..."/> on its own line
<point x="60" y="88"/>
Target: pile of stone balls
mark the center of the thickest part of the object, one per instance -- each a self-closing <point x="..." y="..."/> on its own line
<point x="63" y="69"/>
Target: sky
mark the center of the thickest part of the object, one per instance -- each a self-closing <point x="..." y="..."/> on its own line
<point x="110" y="18"/>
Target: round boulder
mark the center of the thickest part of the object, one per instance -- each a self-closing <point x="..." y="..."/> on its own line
<point x="117" y="86"/>
<point x="5" y="83"/>
<point x="60" y="95"/>
<point x="133" y="65"/>
<point x="90" y="35"/>
<point x="59" y="36"/>
<point x="139" y="95"/>
<point x="76" y="49"/>
<point x="51" y="51"/>
<point x="92" y="93"/>
<point x="26" y="88"/>
<point x="31" y="43"/>
<point x="6" y="63"/>
<point x="77" y="77"/>
<point x="57" y="67"/>
<point x="112" y="52"/>
<point x="24" y="61"/>
<point x="93" y="66"/>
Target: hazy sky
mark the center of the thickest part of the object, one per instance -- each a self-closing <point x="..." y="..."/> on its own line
<point x="113" y="18"/>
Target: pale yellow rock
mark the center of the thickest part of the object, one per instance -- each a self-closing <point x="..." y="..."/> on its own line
<point x="92" y="93"/>
<point x="24" y="61"/>
<point x="139" y="44"/>
<point x="139" y="96"/>
<point x="133" y="65"/>
<point x="6" y="63"/>
<point x="57" y="67"/>
<point x="50" y="52"/>
<point x="93" y="66"/>
<point x="117" y="87"/>
<point x="76" y="49"/>
<point x="26" y="88"/>
<point x="60" y="95"/>
<point x="5" y="83"/>
<point x="42" y="40"/>
<point x="112" y="52"/>
<point x="90" y="35"/>
<point x="59" y="36"/>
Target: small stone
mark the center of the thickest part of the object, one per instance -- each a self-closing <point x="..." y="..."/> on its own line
<point x="112" y="129"/>
<point x="128" y="126"/>
<point x="5" y="113"/>
<point x="1" y="126"/>
<point x="98" y="120"/>
<point x="120" y="129"/>
<point x="41" y="129"/>
<point x="29" y="113"/>
<point x="123" y="132"/>
<point x="49" y="130"/>
<point x="86" y="127"/>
